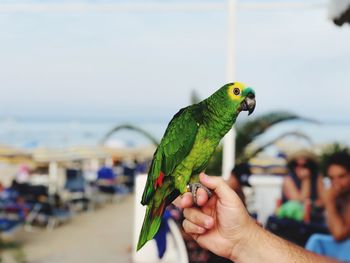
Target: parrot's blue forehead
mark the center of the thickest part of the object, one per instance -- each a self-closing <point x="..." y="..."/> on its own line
<point x="248" y="90"/>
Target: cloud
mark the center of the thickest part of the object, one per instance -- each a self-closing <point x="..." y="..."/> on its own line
<point x="144" y="65"/>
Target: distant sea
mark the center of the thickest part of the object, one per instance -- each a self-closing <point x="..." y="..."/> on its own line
<point x="57" y="134"/>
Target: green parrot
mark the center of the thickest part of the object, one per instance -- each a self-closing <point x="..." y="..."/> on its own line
<point x="185" y="149"/>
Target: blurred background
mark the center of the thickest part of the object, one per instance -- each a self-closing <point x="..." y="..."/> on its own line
<point x="88" y="87"/>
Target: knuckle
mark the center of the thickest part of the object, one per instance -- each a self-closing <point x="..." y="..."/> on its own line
<point x="193" y="215"/>
<point x="186" y="212"/>
<point x="221" y="180"/>
<point x="190" y="227"/>
<point x="184" y="224"/>
<point x="190" y="214"/>
<point x="196" y="218"/>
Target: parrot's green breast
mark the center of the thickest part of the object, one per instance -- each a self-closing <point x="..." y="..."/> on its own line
<point x="198" y="158"/>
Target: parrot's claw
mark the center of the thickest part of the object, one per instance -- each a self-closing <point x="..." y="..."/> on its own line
<point x="193" y="189"/>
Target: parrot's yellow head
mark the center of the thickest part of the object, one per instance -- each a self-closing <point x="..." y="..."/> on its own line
<point x="242" y="96"/>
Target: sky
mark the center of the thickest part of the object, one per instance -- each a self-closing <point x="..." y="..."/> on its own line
<point x="143" y="65"/>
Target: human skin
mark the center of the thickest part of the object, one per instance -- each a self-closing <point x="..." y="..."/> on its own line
<point x="304" y="193"/>
<point x="223" y="226"/>
<point x="338" y="219"/>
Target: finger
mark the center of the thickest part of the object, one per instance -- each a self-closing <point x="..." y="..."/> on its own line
<point x="202" y="197"/>
<point x="191" y="228"/>
<point x="199" y="218"/>
<point x="177" y="202"/>
<point x="209" y="207"/>
<point x="186" y="200"/>
<point x="216" y="183"/>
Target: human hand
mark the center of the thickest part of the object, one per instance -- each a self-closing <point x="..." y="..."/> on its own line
<point x="329" y="195"/>
<point x="220" y="224"/>
<point x="303" y="173"/>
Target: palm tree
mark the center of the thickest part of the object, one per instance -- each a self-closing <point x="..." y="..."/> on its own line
<point x="250" y="153"/>
<point x="248" y="131"/>
<point x="148" y="135"/>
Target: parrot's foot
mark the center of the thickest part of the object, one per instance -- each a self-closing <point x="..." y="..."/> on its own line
<point x="193" y="189"/>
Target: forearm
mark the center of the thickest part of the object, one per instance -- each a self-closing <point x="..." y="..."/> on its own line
<point x="336" y="225"/>
<point x="293" y="193"/>
<point x="305" y="191"/>
<point x="263" y="246"/>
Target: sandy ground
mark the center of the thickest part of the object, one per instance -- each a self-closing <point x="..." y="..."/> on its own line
<point x="103" y="235"/>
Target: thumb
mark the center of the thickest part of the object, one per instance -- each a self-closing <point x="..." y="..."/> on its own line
<point x="218" y="185"/>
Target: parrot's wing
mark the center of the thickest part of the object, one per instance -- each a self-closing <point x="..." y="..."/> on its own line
<point x="176" y="144"/>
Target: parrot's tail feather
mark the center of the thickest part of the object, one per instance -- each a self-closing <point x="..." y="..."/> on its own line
<point x="150" y="224"/>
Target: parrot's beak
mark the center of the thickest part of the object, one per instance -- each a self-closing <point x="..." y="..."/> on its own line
<point x="248" y="104"/>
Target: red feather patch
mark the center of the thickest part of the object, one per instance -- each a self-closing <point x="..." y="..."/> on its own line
<point x="159" y="181"/>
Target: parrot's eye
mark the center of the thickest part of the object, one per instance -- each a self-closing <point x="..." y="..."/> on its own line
<point x="236" y="91"/>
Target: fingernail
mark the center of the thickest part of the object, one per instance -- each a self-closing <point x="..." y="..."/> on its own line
<point x="204" y="176"/>
<point x="199" y="198"/>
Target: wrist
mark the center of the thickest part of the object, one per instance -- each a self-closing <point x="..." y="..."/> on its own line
<point x="247" y="242"/>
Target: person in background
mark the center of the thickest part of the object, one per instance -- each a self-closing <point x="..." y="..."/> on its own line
<point x="21" y="182"/>
<point x="23" y="174"/>
<point x="303" y="183"/>
<point x="107" y="181"/>
<point x="337" y="206"/>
